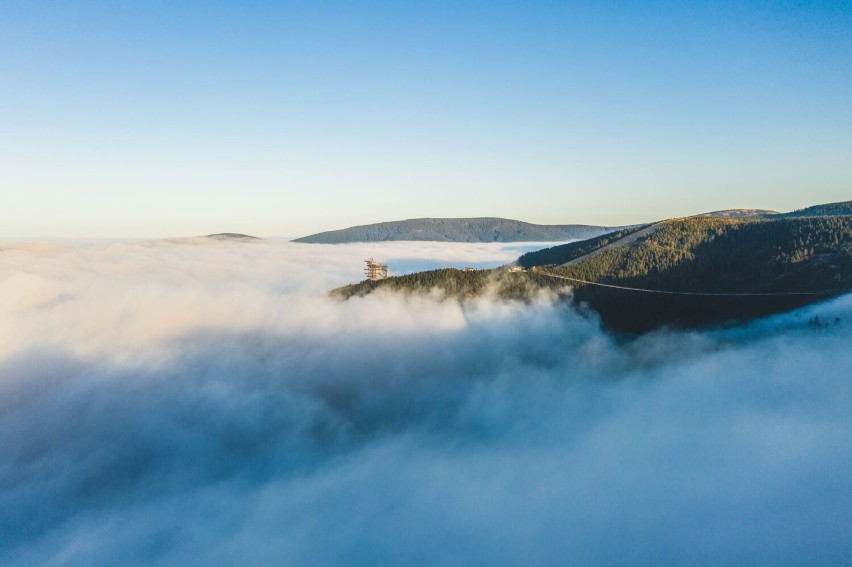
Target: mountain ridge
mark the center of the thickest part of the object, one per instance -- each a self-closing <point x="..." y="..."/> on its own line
<point x="498" y="229"/>
<point x="463" y="229"/>
<point x="825" y="209"/>
<point x="740" y="213"/>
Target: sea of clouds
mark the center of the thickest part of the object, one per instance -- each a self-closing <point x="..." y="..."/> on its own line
<point x="200" y="402"/>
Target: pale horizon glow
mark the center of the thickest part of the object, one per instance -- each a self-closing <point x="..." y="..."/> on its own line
<point x="284" y="119"/>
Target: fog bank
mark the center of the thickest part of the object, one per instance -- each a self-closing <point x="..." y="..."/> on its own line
<point x="204" y="402"/>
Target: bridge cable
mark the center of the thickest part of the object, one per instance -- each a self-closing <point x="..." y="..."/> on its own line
<point x="696" y="293"/>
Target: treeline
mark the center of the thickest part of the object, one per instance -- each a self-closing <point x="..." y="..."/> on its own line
<point x="460" y="284"/>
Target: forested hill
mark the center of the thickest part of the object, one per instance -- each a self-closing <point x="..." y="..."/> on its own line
<point x="485" y="229"/>
<point x="698" y="254"/>
<point x="730" y="255"/>
<point x="712" y="255"/>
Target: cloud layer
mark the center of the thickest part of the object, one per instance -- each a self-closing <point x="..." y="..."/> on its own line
<point x="194" y="402"/>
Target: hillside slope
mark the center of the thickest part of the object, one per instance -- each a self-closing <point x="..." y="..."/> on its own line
<point x="485" y="229"/>
<point x="574" y="251"/>
<point x="711" y="255"/>
<point x="726" y="255"/>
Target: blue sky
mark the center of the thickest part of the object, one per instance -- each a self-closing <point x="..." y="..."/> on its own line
<point x="173" y="118"/>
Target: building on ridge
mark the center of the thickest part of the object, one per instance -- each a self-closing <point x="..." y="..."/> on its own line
<point x="375" y="270"/>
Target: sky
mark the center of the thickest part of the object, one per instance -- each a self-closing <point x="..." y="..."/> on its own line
<point x="199" y="402"/>
<point x="144" y="119"/>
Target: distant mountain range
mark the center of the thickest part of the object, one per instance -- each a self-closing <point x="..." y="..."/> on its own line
<point x="714" y="262"/>
<point x="484" y="229"/>
<point x="231" y="236"/>
<point x="492" y="229"/>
